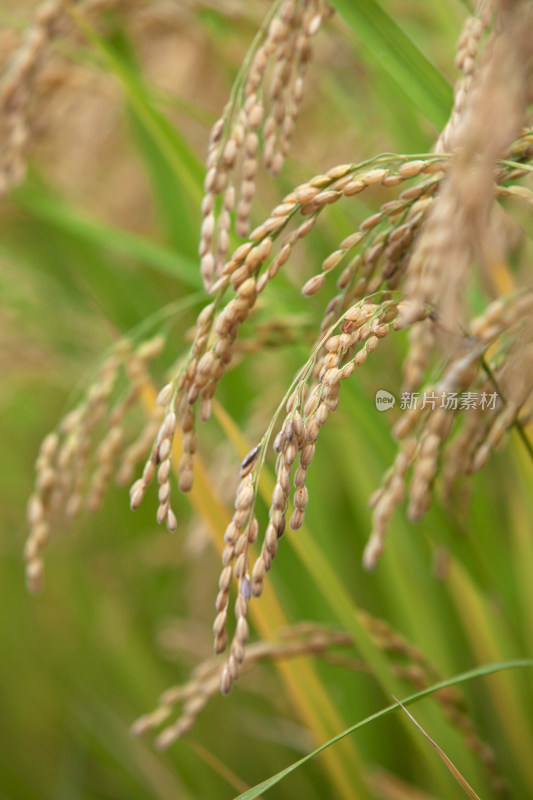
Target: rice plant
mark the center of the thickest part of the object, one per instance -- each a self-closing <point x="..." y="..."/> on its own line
<point x="399" y="273"/>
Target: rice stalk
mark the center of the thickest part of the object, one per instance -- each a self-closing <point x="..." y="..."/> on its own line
<point x="407" y="270"/>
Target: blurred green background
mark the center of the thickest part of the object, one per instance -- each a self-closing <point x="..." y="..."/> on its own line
<point x="101" y="235"/>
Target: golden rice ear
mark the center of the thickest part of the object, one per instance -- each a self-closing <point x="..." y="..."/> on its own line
<point x="405" y="265"/>
<point x="313" y="397"/>
<point x="51" y="20"/>
<point x="186" y="701"/>
<point x="475" y="27"/>
<point x="458" y="230"/>
<point x="258" y="116"/>
<point x="16" y="90"/>
<point x="76" y="463"/>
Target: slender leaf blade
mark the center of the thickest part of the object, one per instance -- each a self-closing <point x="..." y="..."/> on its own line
<point x="486" y="669"/>
<point x="393" y="51"/>
<point x="162" y="146"/>
<point x="49" y="208"/>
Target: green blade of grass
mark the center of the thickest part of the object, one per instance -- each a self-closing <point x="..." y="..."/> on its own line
<point x="162" y="145"/>
<point x="486" y="669"/>
<point x="48" y="207"/>
<point x="181" y="158"/>
<point x="393" y="51"/>
<point x="179" y="218"/>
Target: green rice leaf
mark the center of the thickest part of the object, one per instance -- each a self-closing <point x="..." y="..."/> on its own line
<point x="486" y="669"/>
<point x="393" y="51"/>
<point x="174" y="168"/>
<point x="48" y="207"/>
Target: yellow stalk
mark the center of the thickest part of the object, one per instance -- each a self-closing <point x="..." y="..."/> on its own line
<point x="447" y="761"/>
<point x="302" y="685"/>
<point x="482" y="628"/>
<point x="347" y="613"/>
<point x="219" y="767"/>
<point x="521" y="541"/>
<point x="500" y="275"/>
